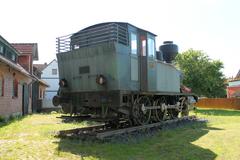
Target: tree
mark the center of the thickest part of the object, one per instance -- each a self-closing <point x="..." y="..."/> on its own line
<point x="201" y="73"/>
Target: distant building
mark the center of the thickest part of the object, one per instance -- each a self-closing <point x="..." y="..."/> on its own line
<point x="37" y="69"/>
<point x="38" y="88"/>
<point x="233" y="89"/>
<point x="14" y="82"/>
<point x="238" y="75"/>
<point x="49" y="75"/>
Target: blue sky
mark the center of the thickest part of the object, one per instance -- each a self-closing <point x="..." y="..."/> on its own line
<point x="212" y="26"/>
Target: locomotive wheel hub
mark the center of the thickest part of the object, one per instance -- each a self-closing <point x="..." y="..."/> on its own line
<point x="141" y="115"/>
<point x="143" y="108"/>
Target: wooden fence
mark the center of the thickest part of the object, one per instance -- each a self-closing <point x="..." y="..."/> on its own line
<point x="224" y="103"/>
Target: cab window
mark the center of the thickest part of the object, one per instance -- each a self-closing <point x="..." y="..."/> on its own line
<point x="133" y="43"/>
<point x="151" y="47"/>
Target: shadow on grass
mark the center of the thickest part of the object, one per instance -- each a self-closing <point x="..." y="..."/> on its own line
<point x="218" y="112"/>
<point x="4" y="122"/>
<point x="167" y="144"/>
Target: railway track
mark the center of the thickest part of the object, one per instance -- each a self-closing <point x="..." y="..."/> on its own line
<point x="102" y="132"/>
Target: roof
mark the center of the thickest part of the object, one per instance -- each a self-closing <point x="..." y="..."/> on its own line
<point x="40" y="67"/>
<point x="15" y="66"/>
<point x="41" y="81"/>
<point x="8" y="45"/>
<point x="237" y="78"/>
<point x="234" y="80"/>
<point x="238" y="75"/>
<point x="120" y="23"/>
<point x="97" y="34"/>
<point x="27" y="49"/>
<point x="46" y="65"/>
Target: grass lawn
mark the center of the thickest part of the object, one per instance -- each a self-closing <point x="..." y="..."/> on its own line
<point x="32" y="137"/>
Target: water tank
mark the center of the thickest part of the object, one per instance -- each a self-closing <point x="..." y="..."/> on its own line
<point x="169" y="51"/>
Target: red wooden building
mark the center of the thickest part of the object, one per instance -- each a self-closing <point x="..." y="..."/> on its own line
<point x="233" y="89"/>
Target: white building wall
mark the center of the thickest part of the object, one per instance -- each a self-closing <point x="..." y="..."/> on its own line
<point x="52" y="80"/>
<point x="47" y="72"/>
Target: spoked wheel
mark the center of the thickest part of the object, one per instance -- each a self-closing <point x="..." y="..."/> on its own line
<point x="173" y="113"/>
<point x="159" y="114"/>
<point x="140" y="114"/>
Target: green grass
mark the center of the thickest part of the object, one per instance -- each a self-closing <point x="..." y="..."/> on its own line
<point x="32" y="137"/>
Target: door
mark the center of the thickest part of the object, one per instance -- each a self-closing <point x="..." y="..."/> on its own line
<point x="25" y="100"/>
<point x="143" y="62"/>
<point x="35" y="95"/>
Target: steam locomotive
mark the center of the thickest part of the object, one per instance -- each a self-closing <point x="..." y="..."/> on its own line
<point x="112" y="71"/>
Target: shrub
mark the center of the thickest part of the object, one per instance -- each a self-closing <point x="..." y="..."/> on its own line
<point x="2" y="119"/>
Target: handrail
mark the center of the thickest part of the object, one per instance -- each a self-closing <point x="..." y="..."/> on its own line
<point x="93" y="36"/>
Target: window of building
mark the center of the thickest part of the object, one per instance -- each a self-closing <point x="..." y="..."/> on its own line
<point x="40" y="94"/>
<point x="13" y="57"/>
<point x="133" y="43"/>
<point x="151" y="47"/>
<point x="54" y="71"/>
<point x="8" y="54"/>
<point x="1" y="49"/>
<point x="1" y="86"/>
<point x="15" y="88"/>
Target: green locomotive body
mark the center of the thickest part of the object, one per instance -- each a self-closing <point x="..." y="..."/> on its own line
<point x="113" y="71"/>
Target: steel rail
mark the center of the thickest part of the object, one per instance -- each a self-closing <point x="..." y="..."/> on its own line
<point x="103" y="131"/>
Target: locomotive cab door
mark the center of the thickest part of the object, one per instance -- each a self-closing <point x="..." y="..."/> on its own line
<point x="143" y="62"/>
